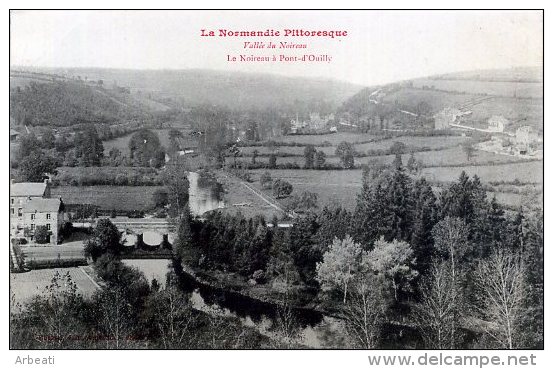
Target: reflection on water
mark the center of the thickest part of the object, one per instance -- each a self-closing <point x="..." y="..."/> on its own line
<point x="316" y="329"/>
<point x="326" y="332"/>
<point x="205" y="193"/>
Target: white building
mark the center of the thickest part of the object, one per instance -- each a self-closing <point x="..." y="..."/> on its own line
<point x="526" y="135"/>
<point x="497" y="123"/>
<point x="31" y="207"/>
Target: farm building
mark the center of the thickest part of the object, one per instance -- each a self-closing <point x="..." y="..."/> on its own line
<point x="497" y="123"/>
<point x="30" y="207"/>
<point x="445" y="117"/>
<point x="14" y="135"/>
<point x="526" y="135"/>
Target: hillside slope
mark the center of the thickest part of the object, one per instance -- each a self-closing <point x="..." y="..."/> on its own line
<point x="516" y="94"/>
<point x="228" y="89"/>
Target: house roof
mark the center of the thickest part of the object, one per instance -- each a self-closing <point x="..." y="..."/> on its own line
<point x="28" y="189"/>
<point x="13" y="132"/>
<point x="42" y="206"/>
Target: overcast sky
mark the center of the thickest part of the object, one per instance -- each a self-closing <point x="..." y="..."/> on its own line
<point x="381" y="46"/>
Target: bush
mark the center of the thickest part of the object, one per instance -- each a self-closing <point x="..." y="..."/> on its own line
<point x="282" y="188"/>
<point x="42" y="235"/>
<point x="266" y="181"/>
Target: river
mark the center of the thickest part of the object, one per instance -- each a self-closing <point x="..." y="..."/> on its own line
<point x="315" y="329"/>
<point x="205" y="193"/>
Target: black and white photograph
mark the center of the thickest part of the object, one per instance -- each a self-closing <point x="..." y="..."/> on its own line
<point x="276" y="180"/>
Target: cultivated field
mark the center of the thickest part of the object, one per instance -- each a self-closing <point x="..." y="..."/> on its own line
<point x="121" y="198"/>
<point x="331" y="185"/>
<point x="334" y="138"/>
<point x="24" y="286"/>
<point x="527" y="172"/>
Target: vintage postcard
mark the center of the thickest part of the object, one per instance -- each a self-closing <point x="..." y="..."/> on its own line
<point x="280" y="179"/>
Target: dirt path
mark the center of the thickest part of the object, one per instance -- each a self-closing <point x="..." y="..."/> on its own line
<point x="260" y="195"/>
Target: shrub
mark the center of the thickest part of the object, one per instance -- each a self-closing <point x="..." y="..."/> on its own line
<point x="42" y="235"/>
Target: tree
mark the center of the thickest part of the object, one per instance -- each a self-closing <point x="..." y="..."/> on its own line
<point x="105" y="238"/>
<point x="175" y="178"/>
<point x="412" y="166"/>
<point x="320" y="159"/>
<point x="114" y="315"/>
<point x="266" y="181"/>
<point x="469" y="150"/>
<point x="183" y="243"/>
<point x="393" y="260"/>
<point x="280" y="267"/>
<point x="307" y="201"/>
<point x="286" y="326"/>
<point x="309" y="155"/>
<point x="501" y="282"/>
<point x="255" y="154"/>
<point x="451" y="241"/>
<point x="160" y="198"/>
<point x="174" y="133"/>
<point x="398" y="148"/>
<point x="424" y="219"/>
<point x="435" y="313"/>
<point x="345" y="151"/>
<point x="145" y="149"/>
<point x="172" y="317"/>
<point x="272" y="161"/>
<point x="89" y="149"/>
<point x="397" y="163"/>
<point x="365" y="312"/>
<point x="339" y="264"/>
<point x="27" y="144"/>
<point x="36" y="165"/>
<point x="42" y="235"/>
<point x="48" y="140"/>
<point x="282" y="188"/>
<point x="53" y="316"/>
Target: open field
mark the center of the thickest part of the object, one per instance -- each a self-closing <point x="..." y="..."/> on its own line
<point x="524" y="172"/>
<point x="238" y="193"/>
<point x="498" y="88"/>
<point x="26" y="285"/>
<point x="122" y="198"/>
<point x="333" y="138"/>
<point x="453" y="156"/>
<point x="284" y="150"/>
<point x="432" y="142"/>
<point x="437" y="99"/>
<point x="331" y="185"/>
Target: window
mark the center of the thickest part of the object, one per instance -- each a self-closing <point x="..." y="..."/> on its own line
<point x="13" y="211"/>
<point x="13" y="200"/>
<point x="32" y="227"/>
<point x="48" y="216"/>
<point x="48" y="226"/>
<point x="32" y="216"/>
<point x="19" y="212"/>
